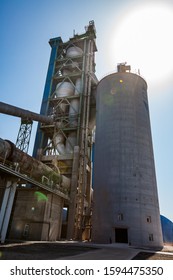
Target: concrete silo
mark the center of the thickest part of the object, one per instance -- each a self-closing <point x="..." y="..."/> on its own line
<point x="126" y="207"/>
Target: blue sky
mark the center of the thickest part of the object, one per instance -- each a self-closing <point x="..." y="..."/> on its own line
<point x="25" y="29"/>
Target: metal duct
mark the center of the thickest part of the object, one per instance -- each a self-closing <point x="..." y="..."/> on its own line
<point x="24" y="114"/>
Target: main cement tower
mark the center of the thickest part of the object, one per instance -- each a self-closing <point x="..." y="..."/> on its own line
<point x="126" y="207"/>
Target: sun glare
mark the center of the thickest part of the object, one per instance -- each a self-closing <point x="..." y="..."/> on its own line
<point x="143" y="38"/>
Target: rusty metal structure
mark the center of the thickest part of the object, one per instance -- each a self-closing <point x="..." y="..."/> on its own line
<point x="61" y="161"/>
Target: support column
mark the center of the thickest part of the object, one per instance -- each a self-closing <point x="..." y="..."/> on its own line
<point x="6" y="209"/>
<point x="73" y="193"/>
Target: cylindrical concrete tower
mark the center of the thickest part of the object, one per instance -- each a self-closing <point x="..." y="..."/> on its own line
<point x="126" y="207"/>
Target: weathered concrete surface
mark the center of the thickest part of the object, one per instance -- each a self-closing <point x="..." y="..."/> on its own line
<point x="125" y="207"/>
<point x="37" y="216"/>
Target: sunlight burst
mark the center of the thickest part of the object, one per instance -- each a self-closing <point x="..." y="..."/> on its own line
<point x="143" y="39"/>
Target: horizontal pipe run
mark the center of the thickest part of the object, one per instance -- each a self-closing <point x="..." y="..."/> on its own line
<point x="24" y="114"/>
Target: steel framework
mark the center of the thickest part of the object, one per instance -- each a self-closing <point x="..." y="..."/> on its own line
<point x="75" y="163"/>
<point x="24" y="135"/>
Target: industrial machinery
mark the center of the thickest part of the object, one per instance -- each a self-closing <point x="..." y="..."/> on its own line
<point x="69" y="99"/>
<point x="27" y="117"/>
<point x="63" y="140"/>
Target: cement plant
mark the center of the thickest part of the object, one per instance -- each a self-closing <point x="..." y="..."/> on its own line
<point x="92" y="173"/>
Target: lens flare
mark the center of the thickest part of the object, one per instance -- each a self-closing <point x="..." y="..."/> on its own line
<point x="40" y="196"/>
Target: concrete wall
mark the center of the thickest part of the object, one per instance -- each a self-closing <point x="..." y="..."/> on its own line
<point x="36" y="216"/>
<point x="126" y="207"/>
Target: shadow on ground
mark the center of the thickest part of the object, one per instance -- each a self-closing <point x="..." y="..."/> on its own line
<point x="41" y="251"/>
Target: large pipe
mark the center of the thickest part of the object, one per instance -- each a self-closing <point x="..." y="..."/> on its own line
<point x="24" y="114"/>
<point x="28" y="164"/>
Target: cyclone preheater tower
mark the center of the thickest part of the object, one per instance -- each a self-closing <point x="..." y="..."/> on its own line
<point x="65" y="144"/>
<point x="126" y="207"/>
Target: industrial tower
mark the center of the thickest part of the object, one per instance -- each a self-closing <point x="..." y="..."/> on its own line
<point x="37" y="191"/>
<point x="126" y="207"/>
<point x="65" y="145"/>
